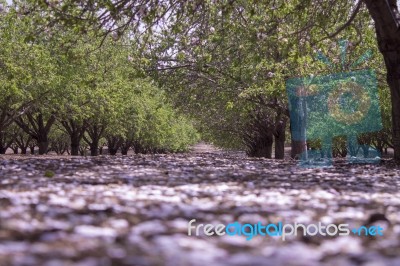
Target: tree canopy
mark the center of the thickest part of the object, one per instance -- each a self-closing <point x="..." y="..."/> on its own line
<point x="218" y="66"/>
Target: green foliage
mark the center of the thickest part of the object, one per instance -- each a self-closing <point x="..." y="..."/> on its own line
<point x="231" y="60"/>
<point x="217" y="62"/>
<point x="27" y="68"/>
<point x="147" y="117"/>
<point x="82" y="81"/>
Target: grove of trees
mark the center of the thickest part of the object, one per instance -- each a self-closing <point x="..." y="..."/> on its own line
<point x="64" y="92"/>
<point x="150" y="74"/>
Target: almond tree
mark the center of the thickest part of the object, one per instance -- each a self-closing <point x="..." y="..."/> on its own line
<point x="387" y="24"/>
<point x="201" y="34"/>
<point x="28" y="77"/>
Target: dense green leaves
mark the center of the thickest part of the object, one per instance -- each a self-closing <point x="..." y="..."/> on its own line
<point x="90" y="87"/>
<point x="119" y="70"/>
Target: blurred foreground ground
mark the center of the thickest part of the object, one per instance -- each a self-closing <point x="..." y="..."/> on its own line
<point x="134" y="210"/>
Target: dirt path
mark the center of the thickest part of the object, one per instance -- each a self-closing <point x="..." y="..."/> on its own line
<point x="203" y="147"/>
<point x="135" y="210"/>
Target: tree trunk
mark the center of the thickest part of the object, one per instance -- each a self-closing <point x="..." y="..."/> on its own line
<point x="112" y="151"/>
<point x="280" y="137"/>
<point x="75" y="141"/>
<point x="298" y="147"/>
<point x="125" y="147"/>
<point x="298" y="122"/>
<point x="37" y="129"/>
<point x="23" y="150"/>
<point x="42" y="141"/>
<point x="74" y="149"/>
<point x="137" y="147"/>
<point x="95" y="133"/>
<point x="124" y="150"/>
<point x="279" y="148"/>
<point x="387" y="23"/>
<point x="113" y="144"/>
<point x="94" y="147"/>
<point x="262" y="146"/>
<point x="298" y="143"/>
<point x="3" y="145"/>
<point x="22" y="143"/>
<point x="394" y="84"/>
<point x="43" y="146"/>
<point x="75" y="130"/>
<point x="5" y="142"/>
<point x="265" y="151"/>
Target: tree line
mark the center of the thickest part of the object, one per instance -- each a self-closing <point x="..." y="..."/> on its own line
<point x="225" y="63"/>
<point x="69" y="92"/>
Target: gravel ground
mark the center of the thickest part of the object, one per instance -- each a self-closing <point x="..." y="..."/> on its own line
<point x="134" y="210"/>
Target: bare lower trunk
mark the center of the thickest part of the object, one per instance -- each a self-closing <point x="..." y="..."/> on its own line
<point x="75" y="140"/>
<point x="4" y="143"/>
<point x="124" y="150"/>
<point x="387" y="20"/>
<point x="112" y="151"/>
<point x="75" y="130"/>
<point x="279" y="148"/>
<point x="23" y="150"/>
<point x="298" y="147"/>
<point x="394" y="84"/>
<point x="262" y="146"/>
<point x="137" y="147"/>
<point x="43" y="146"/>
<point x="280" y="137"/>
<point x="74" y="149"/>
<point x="264" y="151"/>
<point x="94" y="147"/>
<point x="298" y="118"/>
<point x="95" y="132"/>
<point x="113" y="144"/>
<point x="38" y="129"/>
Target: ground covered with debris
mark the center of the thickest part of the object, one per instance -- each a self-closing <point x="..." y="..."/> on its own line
<point x="134" y="210"/>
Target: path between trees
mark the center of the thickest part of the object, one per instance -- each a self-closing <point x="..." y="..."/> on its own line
<point x="135" y="210"/>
